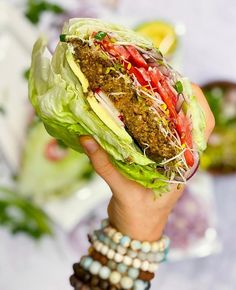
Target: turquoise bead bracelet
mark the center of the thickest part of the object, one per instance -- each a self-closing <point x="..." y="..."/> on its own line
<point x="157" y="257"/>
<point x="127" y="260"/>
<point x="113" y="276"/>
<point x="127" y="278"/>
<point x="135" y="245"/>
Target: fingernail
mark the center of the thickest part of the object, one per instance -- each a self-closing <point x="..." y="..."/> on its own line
<point x="89" y="145"/>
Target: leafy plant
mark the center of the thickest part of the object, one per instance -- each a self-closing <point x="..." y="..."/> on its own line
<point x="21" y="215"/>
<point x="35" y="8"/>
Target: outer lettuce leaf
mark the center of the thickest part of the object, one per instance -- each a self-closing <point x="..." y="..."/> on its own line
<point x="57" y="95"/>
<point x="147" y="175"/>
<point x="197" y="116"/>
<point x="199" y="124"/>
<point x="84" y="26"/>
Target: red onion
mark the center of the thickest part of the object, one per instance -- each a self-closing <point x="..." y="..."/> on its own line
<point x="152" y="53"/>
<point x="179" y="103"/>
<point x="164" y="70"/>
<point x="152" y="64"/>
<point x="190" y="173"/>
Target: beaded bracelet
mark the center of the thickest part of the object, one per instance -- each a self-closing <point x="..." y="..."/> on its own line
<point x="127" y="260"/>
<point x="135" y="245"/>
<point x="83" y="280"/>
<point x="95" y="268"/>
<point x="132" y="272"/>
<point x="157" y="257"/>
<point x="116" y="261"/>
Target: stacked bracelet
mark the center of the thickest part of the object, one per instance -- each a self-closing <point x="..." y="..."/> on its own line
<point x="125" y="259"/>
<point x="115" y="261"/>
<point x="152" y="256"/>
<point x="88" y="269"/>
<point x="122" y="268"/>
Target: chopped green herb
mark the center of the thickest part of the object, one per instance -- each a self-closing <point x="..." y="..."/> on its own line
<point x="179" y="87"/>
<point x="100" y="35"/>
<point x="2" y="110"/>
<point x="63" y="37"/>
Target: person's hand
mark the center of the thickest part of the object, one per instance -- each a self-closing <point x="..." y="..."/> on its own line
<point x="132" y="209"/>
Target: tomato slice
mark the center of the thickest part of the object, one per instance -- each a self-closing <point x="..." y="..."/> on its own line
<point x="136" y="57"/>
<point x="145" y="74"/>
<point x="155" y="76"/>
<point x="109" y="47"/>
<point x="169" y="91"/>
<point x="133" y="70"/>
<point x="184" y="130"/>
<point x="160" y="84"/>
<point x="167" y="100"/>
<point x="122" y="51"/>
<point x="138" y="75"/>
<point x="188" y="155"/>
<point x="54" y="152"/>
<point x="115" y="50"/>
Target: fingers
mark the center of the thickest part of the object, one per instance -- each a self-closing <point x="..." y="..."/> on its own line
<point x="210" y="120"/>
<point x="102" y="164"/>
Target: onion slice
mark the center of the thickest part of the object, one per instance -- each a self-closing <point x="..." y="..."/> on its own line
<point x="107" y="104"/>
<point x="179" y="103"/>
<point x="190" y="173"/>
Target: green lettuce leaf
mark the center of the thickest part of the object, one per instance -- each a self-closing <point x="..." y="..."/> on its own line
<point x="197" y="116"/>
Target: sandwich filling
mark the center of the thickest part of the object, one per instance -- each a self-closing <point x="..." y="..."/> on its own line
<point x="143" y="92"/>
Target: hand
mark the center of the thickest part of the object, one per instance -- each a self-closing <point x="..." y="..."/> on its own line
<point x="132" y="209"/>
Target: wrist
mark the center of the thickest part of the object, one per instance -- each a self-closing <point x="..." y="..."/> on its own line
<point x="139" y="225"/>
<point x="142" y="230"/>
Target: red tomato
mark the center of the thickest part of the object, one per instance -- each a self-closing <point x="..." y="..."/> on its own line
<point x="138" y="75"/>
<point x="189" y="158"/>
<point x="155" y="75"/>
<point x="136" y="57"/>
<point x="145" y="74"/>
<point x="116" y="50"/>
<point x="169" y="91"/>
<point x="184" y="130"/>
<point x="122" y="51"/>
<point x="109" y="47"/>
<point x="133" y="70"/>
<point x="54" y="152"/>
<point x="167" y="100"/>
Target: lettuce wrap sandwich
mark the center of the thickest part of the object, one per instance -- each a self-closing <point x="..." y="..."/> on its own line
<point x="106" y="81"/>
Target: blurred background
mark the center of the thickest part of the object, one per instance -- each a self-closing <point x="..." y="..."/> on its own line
<point x="49" y="196"/>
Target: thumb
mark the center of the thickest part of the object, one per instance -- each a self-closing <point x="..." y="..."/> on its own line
<point x="102" y="164"/>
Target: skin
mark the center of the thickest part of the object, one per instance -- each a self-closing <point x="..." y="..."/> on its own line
<point x="132" y="209"/>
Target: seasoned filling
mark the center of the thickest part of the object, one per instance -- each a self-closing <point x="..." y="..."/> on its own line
<point x="140" y="121"/>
